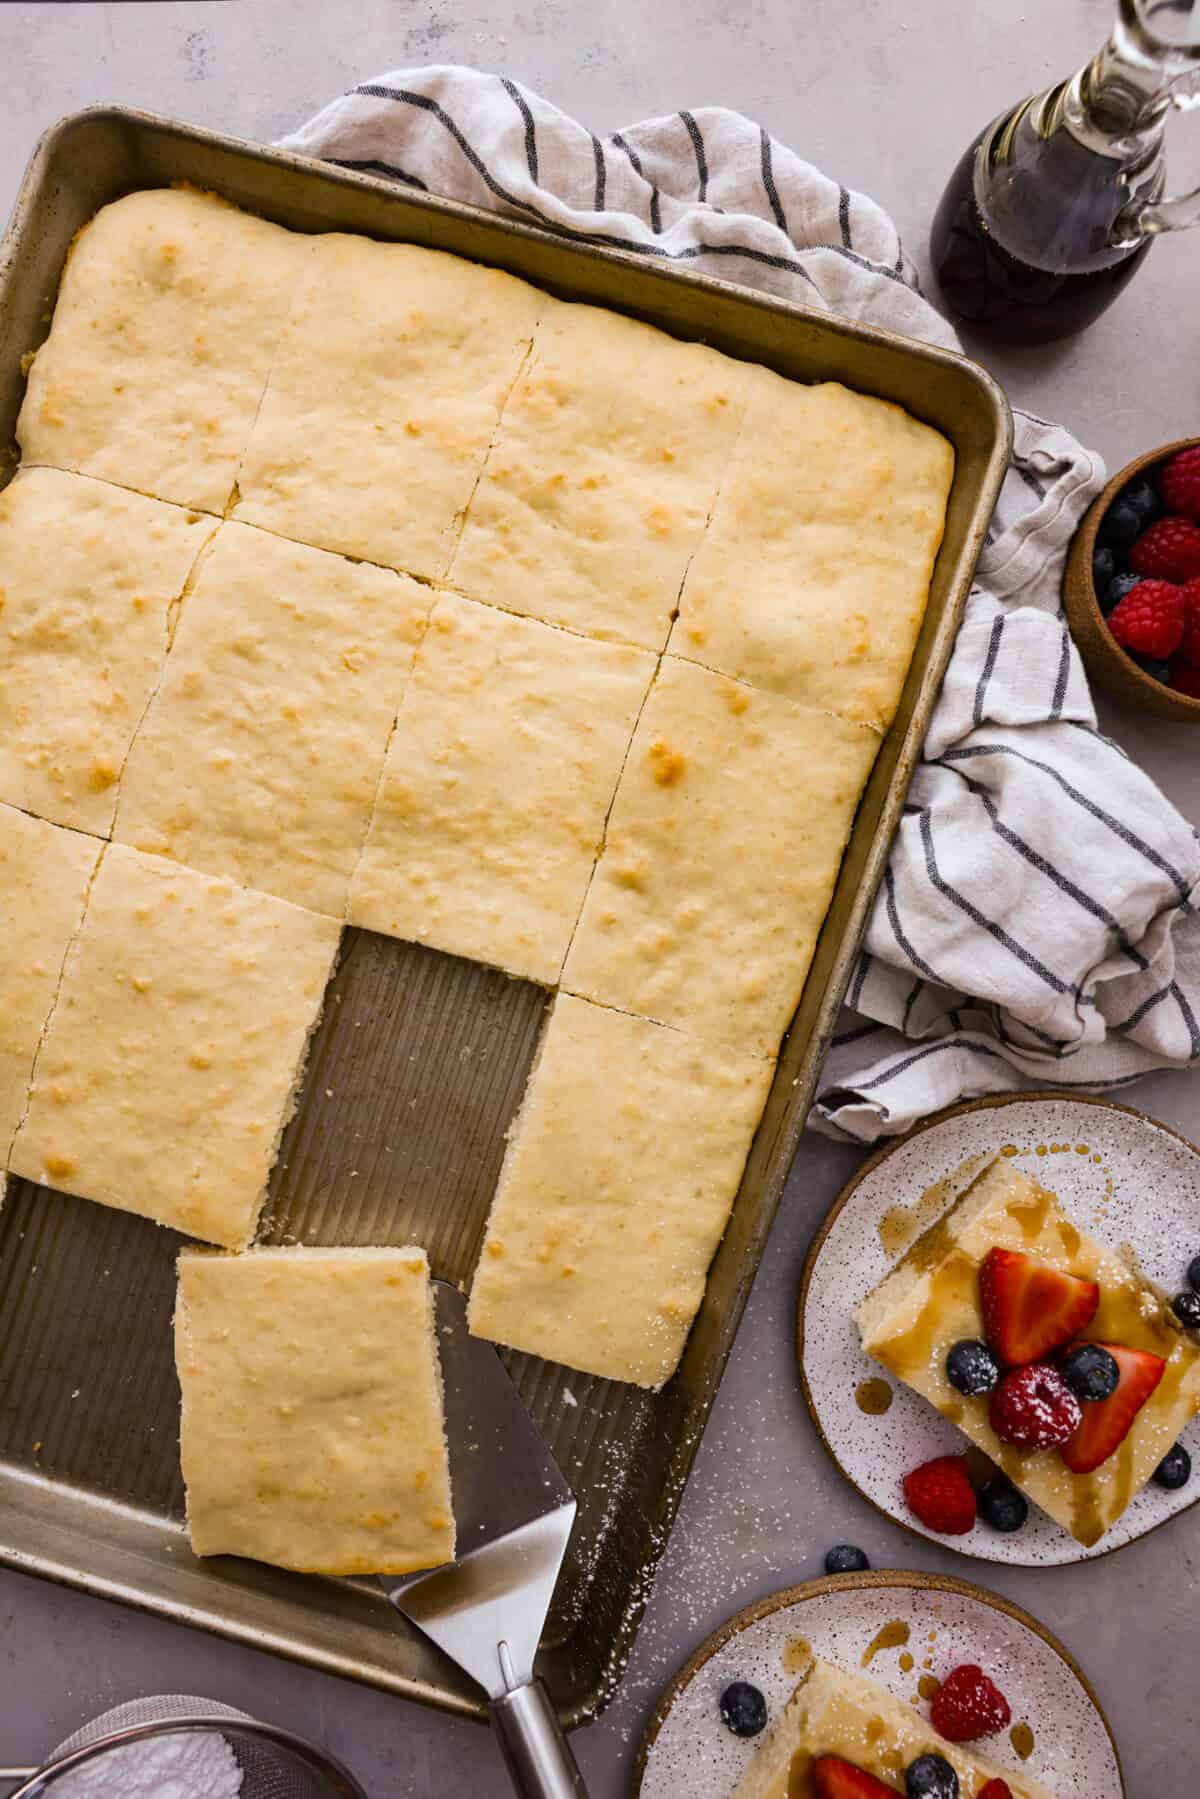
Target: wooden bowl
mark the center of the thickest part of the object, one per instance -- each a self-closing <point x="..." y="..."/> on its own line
<point x="1103" y="657"/>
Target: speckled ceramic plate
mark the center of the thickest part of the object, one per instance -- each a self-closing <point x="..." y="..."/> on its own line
<point x="687" y="1752"/>
<point x="1122" y="1178"/>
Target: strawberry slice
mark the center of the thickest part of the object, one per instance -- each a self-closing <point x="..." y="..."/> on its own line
<point x="1106" y="1422"/>
<point x="1030" y="1309"/>
<point x="832" y="1778"/>
<point x="995" y="1789"/>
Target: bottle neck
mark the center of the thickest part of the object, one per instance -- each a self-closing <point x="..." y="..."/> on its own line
<point x="1117" y="104"/>
<point x="1114" y="108"/>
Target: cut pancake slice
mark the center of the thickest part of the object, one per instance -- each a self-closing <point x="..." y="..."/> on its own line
<point x="171" y="307"/>
<point x="89" y="578"/>
<point x="722" y="850"/>
<point x="813" y="577"/>
<point x="620" y="1174"/>
<point x="932" y="1299"/>
<point x="312" y="1432"/>
<point x="173" y="1057"/>
<point x="835" y="1713"/>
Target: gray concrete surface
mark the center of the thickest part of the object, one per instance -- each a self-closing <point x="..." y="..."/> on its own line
<point x="885" y="97"/>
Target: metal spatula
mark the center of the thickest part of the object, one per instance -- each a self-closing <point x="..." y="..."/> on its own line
<point x="514" y="1513"/>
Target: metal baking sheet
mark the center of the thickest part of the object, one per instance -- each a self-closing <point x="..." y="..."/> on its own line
<point x="421" y="1059"/>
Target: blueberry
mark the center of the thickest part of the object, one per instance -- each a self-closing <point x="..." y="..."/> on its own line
<point x="744" y="1709"/>
<point x="1194" y="1273"/>
<point x="1175" y="1469"/>
<point x="1091" y="1372"/>
<point x="1158" y="671"/>
<point x="1186" y="1307"/>
<point x="1120" y="525"/>
<point x="1002" y="1506"/>
<point x="1116" y="590"/>
<point x="1104" y="567"/>
<point x="1142" y="497"/>
<point x="931" y="1777"/>
<point x="971" y="1367"/>
<point x="844" y="1558"/>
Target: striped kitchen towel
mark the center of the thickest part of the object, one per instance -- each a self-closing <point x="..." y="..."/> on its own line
<point x="1038" y="923"/>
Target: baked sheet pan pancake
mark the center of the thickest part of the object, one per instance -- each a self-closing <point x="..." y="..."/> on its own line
<point x="421" y="1059"/>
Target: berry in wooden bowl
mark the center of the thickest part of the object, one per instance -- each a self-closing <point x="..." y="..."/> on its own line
<point x="1132" y="583"/>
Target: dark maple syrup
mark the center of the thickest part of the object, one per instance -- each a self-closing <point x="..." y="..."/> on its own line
<point x="1068" y="214"/>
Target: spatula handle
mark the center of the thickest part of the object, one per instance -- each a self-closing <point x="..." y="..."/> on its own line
<point x="536" y="1752"/>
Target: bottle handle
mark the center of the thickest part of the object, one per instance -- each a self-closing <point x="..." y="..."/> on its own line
<point x="1143" y="219"/>
<point x="1150" y="218"/>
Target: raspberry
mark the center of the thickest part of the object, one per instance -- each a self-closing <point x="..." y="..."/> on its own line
<point x="1189" y="649"/>
<point x="1149" y="621"/>
<point x="968" y="1705"/>
<point x="1169" y="549"/>
<point x="1179" y="481"/>
<point x="1034" y="1408"/>
<point x="995" y="1789"/>
<point x="941" y="1496"/>
<point x="1186" y="680"/>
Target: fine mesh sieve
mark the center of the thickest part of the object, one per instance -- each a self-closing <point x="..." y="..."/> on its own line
<point x="223" y="1752"/>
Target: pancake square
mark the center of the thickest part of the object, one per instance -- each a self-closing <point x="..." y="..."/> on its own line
<point x="723" y="846"/>
<point x="169" y="314"/>
<point x="835" y="1712"/>
<point x="90" y="578"/>
<point x="173" y="1058"/>
<point x="312" y="1432"/>
<point x="604" y="471"/>
<point x="383" y="400"/>
<point x="498" y="779"/>
<point x="812" y="579"/>
<point x="621" y="1170"/>
<point x="260" y="755"/>
<point x="931" y="1300"/>
<point x="44" y="878"/>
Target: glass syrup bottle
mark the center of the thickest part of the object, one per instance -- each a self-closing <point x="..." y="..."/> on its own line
<point x="1054" y="206"/>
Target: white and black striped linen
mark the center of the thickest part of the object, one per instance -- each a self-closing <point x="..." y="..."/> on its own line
<point x="1038" y="921"/>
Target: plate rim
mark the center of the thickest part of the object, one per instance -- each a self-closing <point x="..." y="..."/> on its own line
<point x="989" y="1102"/>
<point x="881" y="1579"/>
